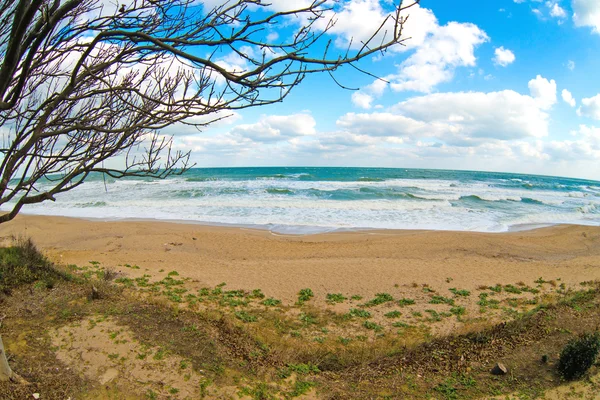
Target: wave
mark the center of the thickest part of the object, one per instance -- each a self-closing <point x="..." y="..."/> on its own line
<point x="279" y="191"/>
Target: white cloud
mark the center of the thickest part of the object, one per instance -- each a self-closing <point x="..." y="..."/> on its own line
<point x="590" y="107"/>
<point x="543" y="91"/>
<point x="568" y="98"/>
<point x="362" y="100"/>
<point x="587" y="13"/>
<point x="556" y="11"/>
<point x="448" y="47"/>
<point x="457" y="119"/>
<point x="503" y="57"/>
<point x="365" y="97"/>
<point x="275" y="128"/>
<point x="571" y="65"/>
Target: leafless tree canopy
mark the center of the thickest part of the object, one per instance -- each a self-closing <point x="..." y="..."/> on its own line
<point x="84" y="81"/>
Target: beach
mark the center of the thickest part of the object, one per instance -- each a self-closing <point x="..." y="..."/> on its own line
<point x="352" y="263"/>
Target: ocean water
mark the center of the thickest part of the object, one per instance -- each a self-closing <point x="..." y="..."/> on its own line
<point x="307" y="200"/>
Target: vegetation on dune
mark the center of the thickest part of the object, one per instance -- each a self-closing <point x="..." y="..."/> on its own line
<point x="579" y="355"/>
<point x="266" y="348"/>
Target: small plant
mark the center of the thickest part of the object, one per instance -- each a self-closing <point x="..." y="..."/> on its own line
<point x="245" y="317"/>
<point x="173" y="273"/>
<point x="405" y="302"/>
<point x="578" y="356"/>
<point x="512" y="289"/>
<point x="393" y="314"/>
<point x="305" y="295"/>
<point x="458" y="311"/>
<point x="308" y="319"/>
<point x="441" y="300"/>
<point x="461" y="292"/>
<point x="497" y="288"/>
<point x="356" y="297"/>
<point x="380" y="298"/>
<point x="357" y="312"/>
<point x="271" y="302"/>
<point x="372" y="326"/>
<point x="257" y="294"/>
<point x="333" y="298"/>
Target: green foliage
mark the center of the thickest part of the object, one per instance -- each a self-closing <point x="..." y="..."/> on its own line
<point x="458" y="311"/>
<point x="441" y="300"/>
<point x="380" y="298"/>
<point x="578" y="356"/>
<point x="405" y="302"/>
<point x="372" y="326"/>
<point x="357" y="312"/>
<point x="512" y="289"/>
<point x="245" y="317"/>
<point x="305" y="295"/>
<point x="393" y="314"/>
<point x="333" y="298"/>
<point x="271" y="302"/>
<point x="461" y="292"/>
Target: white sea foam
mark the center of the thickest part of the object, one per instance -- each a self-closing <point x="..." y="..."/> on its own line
<point x="290" y="203"/>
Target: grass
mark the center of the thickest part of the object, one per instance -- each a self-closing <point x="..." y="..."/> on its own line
<point x="251" y="342"/>
<point x="23" y="264"/>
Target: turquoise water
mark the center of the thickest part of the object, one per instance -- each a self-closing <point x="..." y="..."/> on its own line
<point x="295" y="199"/>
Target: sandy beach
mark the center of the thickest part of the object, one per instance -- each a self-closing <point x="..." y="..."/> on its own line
<point x="351" y="263"/>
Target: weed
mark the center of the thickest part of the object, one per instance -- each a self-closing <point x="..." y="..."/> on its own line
<point x="305" y="295"/>
<point x="245" y="317"/>
<point x="512" y="289"/>
<point x="380" y="298"/>
<point x="271" y="302"/>
<point x="405" y="302"/>
<point x="461" y="292"/>
<point x="441" y="300"/>
<point x="333" y="298"/>
<point x="372" y="326"/>
<point x="357" y="312"/>
<point x="458" y="311"/>
<point x="393" y="314"/>
<point x="356" y="297"/>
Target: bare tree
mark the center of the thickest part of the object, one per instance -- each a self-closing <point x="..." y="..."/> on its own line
<point x="86" y="83"/>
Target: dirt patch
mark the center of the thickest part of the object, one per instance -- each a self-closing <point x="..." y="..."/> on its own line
<point x="108" y="353"/>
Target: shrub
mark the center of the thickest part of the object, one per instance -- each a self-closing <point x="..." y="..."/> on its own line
<point x="578" y="356"/>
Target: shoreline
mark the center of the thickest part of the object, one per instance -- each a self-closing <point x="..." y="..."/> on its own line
<point x="308" y="230"/>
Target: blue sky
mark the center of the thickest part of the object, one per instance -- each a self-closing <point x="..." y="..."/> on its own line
<point x="502" y="85"/>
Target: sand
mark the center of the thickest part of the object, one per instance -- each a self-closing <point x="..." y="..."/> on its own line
<point x="350" y="263"/>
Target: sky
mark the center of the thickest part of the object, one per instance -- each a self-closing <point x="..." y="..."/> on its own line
<point x="493" y="85"/>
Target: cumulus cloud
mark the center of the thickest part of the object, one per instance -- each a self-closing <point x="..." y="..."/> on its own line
<point x="503" y="57"/>
<point x="587" y="13"/>
<point x="275" y="128"/>
<point x="446" y="48"/>
<point x="457" y="119"/>
<point x="543" y="91"/>
<point x="556" y="11"/>
<point x="568" y="98"/>
<point x="571" y="65"/>
<point x="590" y="107"/>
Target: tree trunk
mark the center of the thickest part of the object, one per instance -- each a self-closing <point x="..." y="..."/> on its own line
<point x="6" y="373"/>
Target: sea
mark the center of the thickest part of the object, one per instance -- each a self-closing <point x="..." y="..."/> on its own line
<point x="302" y="200"/>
